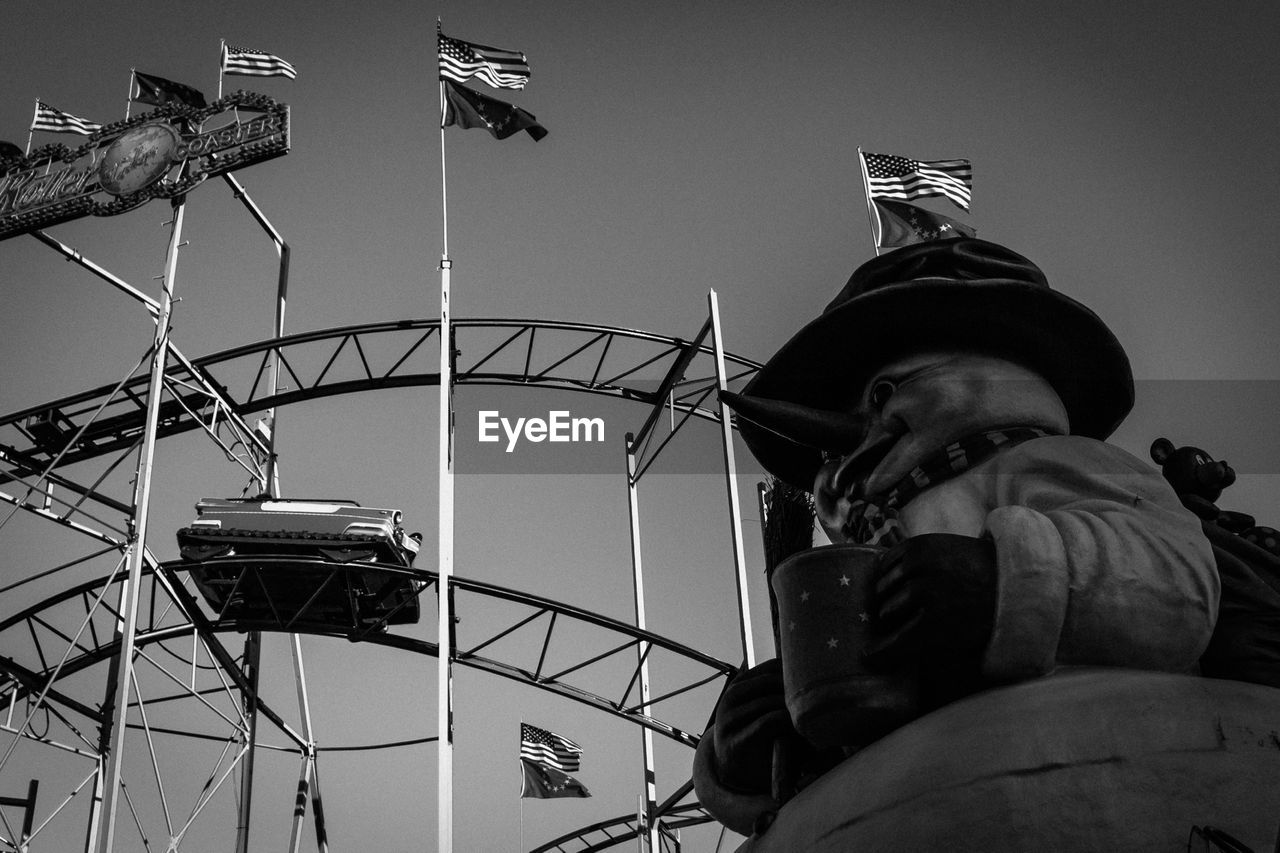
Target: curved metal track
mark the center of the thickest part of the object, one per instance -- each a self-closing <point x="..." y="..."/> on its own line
<point x="530" y="640"/>
<point x="603" y="360"/>
<point x="609" y="833"/>
<point x="536" y="627"/>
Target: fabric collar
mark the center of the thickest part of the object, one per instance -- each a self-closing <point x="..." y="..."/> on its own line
<point x="874" y="520"/>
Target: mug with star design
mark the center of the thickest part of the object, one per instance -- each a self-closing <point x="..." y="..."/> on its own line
<point x="824" y="624"/>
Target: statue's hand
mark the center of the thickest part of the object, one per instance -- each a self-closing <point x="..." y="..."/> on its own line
<point x="751" y="716"/>
<point x="935" y="597"/>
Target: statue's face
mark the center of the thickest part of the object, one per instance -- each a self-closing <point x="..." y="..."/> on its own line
<point x="920" y="403"/>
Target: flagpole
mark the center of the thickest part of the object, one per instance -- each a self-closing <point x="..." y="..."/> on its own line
<point x="872" y="219"/>
<point x="128" y="104"/>
<point x="222" y="63"/>
<point x="444" y="653"/>
<point x="31" y="131"/>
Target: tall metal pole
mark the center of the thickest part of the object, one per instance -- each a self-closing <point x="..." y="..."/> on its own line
<point x="272" y="476"/>
<point x="249" y="701"/>
<point x="282" y="295"/>
<point x="444" y="616"/>
<point x="137" y="544"/>
<point x="872" y="218"/>
<point x="270" y="484"/>
<point x="649" y="833"/>
<point x="731" y="486"/>
<point x="104" y="748"/>
<point x="307" y="777"/>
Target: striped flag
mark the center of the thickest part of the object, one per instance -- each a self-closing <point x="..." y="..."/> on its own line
<point x="56" y="121"/>
<point x="549" y="749"/>
<point x="891" y="176"/>
<point x="460" y="61"/>
<point x="254" y="63"/>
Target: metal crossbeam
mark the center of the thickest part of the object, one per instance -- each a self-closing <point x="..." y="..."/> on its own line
<point x="218" y="392"/>
<point x="23" y="678"/>
<point x="624" y="828"/>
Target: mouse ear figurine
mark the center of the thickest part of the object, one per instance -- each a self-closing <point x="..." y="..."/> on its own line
<point x="1199" y="480"/>
<point x="950" y="409"/>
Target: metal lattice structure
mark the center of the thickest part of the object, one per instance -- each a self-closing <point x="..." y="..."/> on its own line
<point x="55" y="669"/>
<point x="222" y="392"/>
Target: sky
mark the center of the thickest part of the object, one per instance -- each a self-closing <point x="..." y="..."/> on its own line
<point x="1125" y="148"/>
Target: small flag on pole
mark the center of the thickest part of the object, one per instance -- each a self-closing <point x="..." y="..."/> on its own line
<point x="902" y="224"/>
<point x="56" y="121"/>
<point x="891" y="176"/>
<point x="545" y="783"/>
<point x="460" y="61"/>
<point x="150" y="89"/>
<point x="468" y="108"/>
<point x="549" y="749"/>
<point x="248" y="62"/>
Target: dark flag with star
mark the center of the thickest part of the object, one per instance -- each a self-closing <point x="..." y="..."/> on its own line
<point x="467" y="108"/>
<point x="902" y="224"/>
<point x="150" y="89"/>
<point x="545" y="783"/>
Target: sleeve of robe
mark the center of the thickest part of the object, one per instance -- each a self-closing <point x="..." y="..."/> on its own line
<point x="1098" y="563"/>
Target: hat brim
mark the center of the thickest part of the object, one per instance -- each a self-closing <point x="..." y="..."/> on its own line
<point x="831" y="358"/>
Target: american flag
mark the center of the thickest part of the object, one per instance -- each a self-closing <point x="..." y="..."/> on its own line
<point x="549" y="749"/>
<point x="460" y="61"/>
<point x="56" y="121"/>
<point x="254" y="63"/>
<point x="891" y="176"/>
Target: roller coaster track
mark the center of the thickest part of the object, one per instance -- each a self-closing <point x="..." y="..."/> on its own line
<point x="51" y="649"/>
<point x="221" y="391"/>
<point x="548" y="646"/>
<point x="536" y="628"/>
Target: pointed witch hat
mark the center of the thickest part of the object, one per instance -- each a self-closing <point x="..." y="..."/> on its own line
<point x="962" y="293"/>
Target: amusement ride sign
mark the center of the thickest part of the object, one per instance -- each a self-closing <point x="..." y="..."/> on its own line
<point x="160" y="154"/>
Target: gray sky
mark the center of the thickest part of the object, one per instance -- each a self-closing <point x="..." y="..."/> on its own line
<point x="1126" y="148"/>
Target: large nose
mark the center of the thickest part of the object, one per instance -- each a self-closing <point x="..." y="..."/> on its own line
<point x="841" y="475"/>
<point x="835" y="432"/>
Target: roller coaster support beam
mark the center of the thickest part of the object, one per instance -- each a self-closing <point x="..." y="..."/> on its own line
<point x="202" y="382"/>
<point x="28" y="804"/>
<point x="731" y="486"/>
<point x="137" y="547"/>
<point x="115" y="281"/>
<point x="674" y="375"/>
<point x="271" y="483"/>
<point x="252" y="659"/>
<point x="649" y="812"/>
<point x="282" y="295"/>
<point x="308" y="780"/>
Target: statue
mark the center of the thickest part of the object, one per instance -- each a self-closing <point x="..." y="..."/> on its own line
<point x="948" y="411"/>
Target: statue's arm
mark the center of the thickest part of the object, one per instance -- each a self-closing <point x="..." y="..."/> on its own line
<point x="1097" y="563"/>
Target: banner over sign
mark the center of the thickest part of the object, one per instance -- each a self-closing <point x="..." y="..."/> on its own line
<point x="160" y="154"/>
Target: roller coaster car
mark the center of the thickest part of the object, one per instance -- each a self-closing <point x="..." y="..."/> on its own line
<point x="239" y="553"/>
